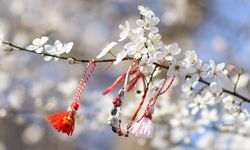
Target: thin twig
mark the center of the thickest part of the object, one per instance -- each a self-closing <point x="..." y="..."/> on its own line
<point x="151" y="76"/>
<point x="234" y="93"/>
<point x="55" y="56"/>
<point x="237" y="81"/>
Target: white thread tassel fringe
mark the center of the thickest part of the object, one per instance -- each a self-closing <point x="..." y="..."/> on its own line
<point x="143" y="128"/>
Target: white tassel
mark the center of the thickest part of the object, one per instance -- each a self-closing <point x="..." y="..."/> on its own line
<point x="143" y="128"/>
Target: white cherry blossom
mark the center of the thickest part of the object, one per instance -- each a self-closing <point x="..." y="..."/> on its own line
<point x="228" y="102"/>
<point x="125" y="30"/>
<point x="176" y="68"/>
<point x="37" y="44"/>
<point x="148" y="24"/>
<point x="215" y="93"/>
<point x="169" y="51"/>
<point x="146" y="65"/>
<point x="144" y="10"/>
<point x="190" y="58"/>
<point x="149" y="19"/>
<point x="216" y="69"/>
<point x="57" y="49"/>
<point x="154" y="40"/>
<point x="188" y="87"/>
<point x="197" y="105"/>
<point x="134" y="48"/>
<point x="240" y="114"/>
<point x="136" y="34"/>
<point x="200" y="71"/>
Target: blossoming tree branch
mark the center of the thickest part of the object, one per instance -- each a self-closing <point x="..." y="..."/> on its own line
<point x="147" y="56"/>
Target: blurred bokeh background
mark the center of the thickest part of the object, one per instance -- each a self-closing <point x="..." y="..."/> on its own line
<point x="31" y="88"/>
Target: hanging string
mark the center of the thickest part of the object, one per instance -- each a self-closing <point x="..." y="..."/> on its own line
<point x="89" y="69"/>
<point x="65" y="121"/>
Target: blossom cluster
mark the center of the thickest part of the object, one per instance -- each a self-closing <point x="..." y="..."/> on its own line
<point x="143" y="44"/>
<point x="144" y="47"/>
<point x="39" y="45"/>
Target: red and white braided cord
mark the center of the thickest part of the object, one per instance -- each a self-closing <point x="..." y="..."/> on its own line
<point x="89" y="69"/>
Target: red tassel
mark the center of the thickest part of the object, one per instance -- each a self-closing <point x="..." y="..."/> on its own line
<point x="63" y="122"/>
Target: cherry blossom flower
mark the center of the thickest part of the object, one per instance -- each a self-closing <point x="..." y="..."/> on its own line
<point x="146" y="65"/>
<point x="149" y="21"/>
<point x="143" y="10"/>
<point x="189" y="86"/>
<point x="136" y="34"/>
<point x="228" y="102"/>
<point x="169" y="51"/>
<point x="106" y="49"/>
<point x="241" y="114"/>
<point x="198" y="104"/>
<point x="37" y="44"/>
<point x="216" y="70"/>
<point x="176" y="68"/>
<point x="57" y="49"/>
<point x="134" y="48"/>
<point x="190" y="58"/>
<point x="200" y="71"/>
<point x="154" y="40"/>
<point x="137" y="42"/>
<point x="215" y="93"/>
<point x="125" y="30"/>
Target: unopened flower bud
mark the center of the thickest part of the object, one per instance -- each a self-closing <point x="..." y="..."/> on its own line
<point x="231" y="68"/>
<point x="71" y="60"/>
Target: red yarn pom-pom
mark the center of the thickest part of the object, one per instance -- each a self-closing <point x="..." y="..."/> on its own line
<point x="63" y="122"/>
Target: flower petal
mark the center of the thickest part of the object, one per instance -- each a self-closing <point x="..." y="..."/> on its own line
<point x="68" y="46"/>
<point x="120" y="57"/>
<point x="31" y="47"/>
<point x="43" y="40"/>
<point x="106" y="49"/>
<point x="39" y="50"/>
